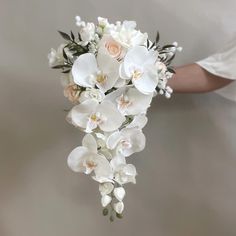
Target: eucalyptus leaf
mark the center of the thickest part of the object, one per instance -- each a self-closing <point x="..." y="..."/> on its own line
<point x="64" y="35"/>
<point x="171" y="70"/>
<point x="66" y="71"/>
<point x="168" y="46"/>
<point x="157" y="37"/>
<point x="64" y="54"/>
<point x="72" y="36"/>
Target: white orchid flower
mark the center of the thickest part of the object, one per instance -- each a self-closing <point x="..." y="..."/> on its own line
<point x="139" y="66"/>
<point x="90" y="114"/>
<point x="127" y="141"/>
<point x="130" y="101"/>
<point x="123" y="173"/>
<point x="85" y="159"/>
<point x="88" y="71"/>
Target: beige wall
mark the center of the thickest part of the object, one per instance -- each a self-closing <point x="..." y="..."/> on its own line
<point x="186" y="182"/>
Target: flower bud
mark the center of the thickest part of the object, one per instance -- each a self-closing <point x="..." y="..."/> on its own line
<point x="119" y="207"/>
<point x="105" y="188"/>
<point x="179" y="49"/>
<point x="119" y="193"/>
<point x="175" y="44"/>
<point x="105" y="200"/>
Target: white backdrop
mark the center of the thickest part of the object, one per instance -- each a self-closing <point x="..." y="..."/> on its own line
<point x="186" y="181"/>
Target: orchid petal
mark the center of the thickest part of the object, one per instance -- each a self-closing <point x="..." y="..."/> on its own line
<point x="103" y="168"/>
<point x="146" y="84"/>
<point x="84" y="67"/>
<point x="113" y="140"/>
<point x="76" y="158"/>
<point x="109" y="67"/>
<point x="90" y="142"/>
<point x="114" y="119"/>
<point x="79" y="113"/>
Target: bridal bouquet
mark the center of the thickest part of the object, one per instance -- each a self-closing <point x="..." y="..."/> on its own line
<point x="110" y="73"/>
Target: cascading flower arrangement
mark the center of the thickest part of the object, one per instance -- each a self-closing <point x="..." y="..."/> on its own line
<point x="111" y="72"/>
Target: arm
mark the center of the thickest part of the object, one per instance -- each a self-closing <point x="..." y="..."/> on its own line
<point x="194" y="79"/>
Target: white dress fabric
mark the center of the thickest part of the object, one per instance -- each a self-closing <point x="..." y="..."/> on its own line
<point x="223" y="64"/>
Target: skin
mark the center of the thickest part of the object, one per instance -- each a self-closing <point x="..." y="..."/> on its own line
<point x="192" y="78"/>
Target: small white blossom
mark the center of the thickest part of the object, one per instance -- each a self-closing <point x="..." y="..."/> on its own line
<point x="87" y="32"/>
<point x="79" y="22"/>
<point x="55" y="57"/>
<point x="102" y="22"/>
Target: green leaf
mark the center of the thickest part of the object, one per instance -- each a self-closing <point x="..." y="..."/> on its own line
<point x="171" y="70"/>
<point x="157" y="37"/>
<point x="66" y="71"/>
<point x="72" y="35"/>
<point x="79" y="36"/>
<point x="153" y="44"/>
<point x="64" y="35"/>
<point x="61" y="66"/>
<point x="148" y="43"/>
<point x="58" y="67"/>
<point x="170" y="59"/>
<point x="64" y="54"/>
<point x="168" y="46"/>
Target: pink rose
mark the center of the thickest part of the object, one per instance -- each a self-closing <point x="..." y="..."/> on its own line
<point x="72" y="92"/>
<point x="114" y="49"/>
